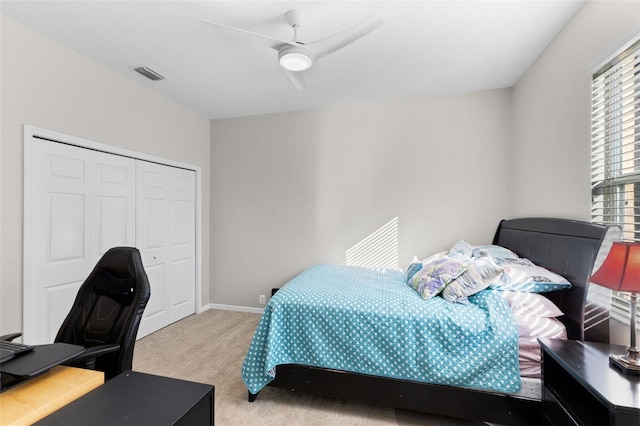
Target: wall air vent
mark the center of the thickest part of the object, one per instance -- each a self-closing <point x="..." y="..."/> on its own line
<point x="149" y="73"/>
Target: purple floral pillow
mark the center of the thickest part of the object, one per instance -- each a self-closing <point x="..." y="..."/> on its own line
<point x="434" y="276"/>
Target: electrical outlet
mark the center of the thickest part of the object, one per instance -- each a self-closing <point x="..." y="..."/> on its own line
<point x="262" y="299"/>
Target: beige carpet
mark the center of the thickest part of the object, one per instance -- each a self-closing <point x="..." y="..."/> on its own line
<point x="210" y="348"/>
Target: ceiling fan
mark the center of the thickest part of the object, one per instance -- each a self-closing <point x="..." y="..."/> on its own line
<point x="296" y="56"/>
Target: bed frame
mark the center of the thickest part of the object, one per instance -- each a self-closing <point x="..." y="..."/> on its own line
<point x="563" y="246"/>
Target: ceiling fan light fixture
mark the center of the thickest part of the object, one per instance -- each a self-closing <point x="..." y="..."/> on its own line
<point x="295" y="59"/>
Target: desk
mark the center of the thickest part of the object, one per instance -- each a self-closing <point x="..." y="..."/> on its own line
<point x="133" y="398"/>
<point x="36" y="398"/>
<point x="30" y="364"/>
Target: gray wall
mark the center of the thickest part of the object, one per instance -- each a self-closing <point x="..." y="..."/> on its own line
<point x="551" y="163"/>
<point x="294" y="189"/>
<point x="47" y="85"/>
<point x="551" y="173"/>
<point x="290" y="190"/>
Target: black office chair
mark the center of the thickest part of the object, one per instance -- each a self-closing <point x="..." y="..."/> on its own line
<point x="106" y="313"/>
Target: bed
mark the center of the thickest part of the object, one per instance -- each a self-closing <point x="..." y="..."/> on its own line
<point x="565" y="247"/>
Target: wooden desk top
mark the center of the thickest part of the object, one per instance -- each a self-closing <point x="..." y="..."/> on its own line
<point x="34" y="399"/>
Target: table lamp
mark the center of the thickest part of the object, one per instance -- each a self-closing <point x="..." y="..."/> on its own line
<point x="620" y="272"/>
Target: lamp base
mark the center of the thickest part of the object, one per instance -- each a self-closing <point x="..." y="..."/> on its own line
<point x="625" y="363"/>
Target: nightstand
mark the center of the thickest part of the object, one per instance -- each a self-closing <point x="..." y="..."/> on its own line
<point x="580" y="388"/>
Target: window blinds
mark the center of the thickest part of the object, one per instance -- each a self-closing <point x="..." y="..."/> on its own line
<point x="615" y="152"/>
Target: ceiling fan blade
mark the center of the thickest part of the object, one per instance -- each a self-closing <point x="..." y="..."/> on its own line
<point x="271" y="42"/>
<point x="297" y="79"/>
<point x="322" y="48"/>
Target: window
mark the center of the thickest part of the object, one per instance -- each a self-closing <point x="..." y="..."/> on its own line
<point x="615" y="152"/>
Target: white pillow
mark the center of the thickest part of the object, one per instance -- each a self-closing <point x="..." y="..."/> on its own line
<point x="531" y="304"/>
<point x="530" y="328"/>
<point x="523" y="275"/>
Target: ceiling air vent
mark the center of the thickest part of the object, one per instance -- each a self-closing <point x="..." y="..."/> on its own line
<point x="149" y="73"/>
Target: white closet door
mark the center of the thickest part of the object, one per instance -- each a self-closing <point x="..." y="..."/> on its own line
<point x="78" y="203"/>
<point x="182" y="298"/>
<point x="113" y="202"/>
<point x="165" y="235"/>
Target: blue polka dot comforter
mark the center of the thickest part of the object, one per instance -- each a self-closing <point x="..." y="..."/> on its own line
<point x="370" y="321"/>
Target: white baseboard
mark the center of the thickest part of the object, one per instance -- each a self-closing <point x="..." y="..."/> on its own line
<point x="231" y="308"/>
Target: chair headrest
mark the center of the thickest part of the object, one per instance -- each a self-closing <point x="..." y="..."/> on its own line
<point x="119" y="288"/>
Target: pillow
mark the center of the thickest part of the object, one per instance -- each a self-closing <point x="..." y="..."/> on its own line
<point x="533" y="327"/>
<point x="513" y="261"/>
<point x="494" y="251"/>
<point x="461" y="248"/>
<point x="530" y="304"/>
<point x="414" y="266"/>
<point x="465" y="249"/>
<point x="528" y="277"/>
<point x="478" y="276"/>
<point x="435" y="256"/>
<point x="436" y="274"/>
<point x="529" y="329"/>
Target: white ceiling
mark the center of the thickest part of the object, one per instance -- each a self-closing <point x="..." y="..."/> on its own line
<point x="424" y="48"/>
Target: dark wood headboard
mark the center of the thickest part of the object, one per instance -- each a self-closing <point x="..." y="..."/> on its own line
<point x="568" y="248"/>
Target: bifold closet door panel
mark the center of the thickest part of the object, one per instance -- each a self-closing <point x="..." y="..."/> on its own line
<point x="165" y="235"/>
<point x="182" y="298"/>
<point x="78" y="204"/>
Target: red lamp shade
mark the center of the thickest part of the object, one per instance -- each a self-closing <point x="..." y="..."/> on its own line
<point x="620" y="271"/>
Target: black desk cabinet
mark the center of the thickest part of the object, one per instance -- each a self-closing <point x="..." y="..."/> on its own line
<point x="133" y="398"/>
<point x="580" y="388"/>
